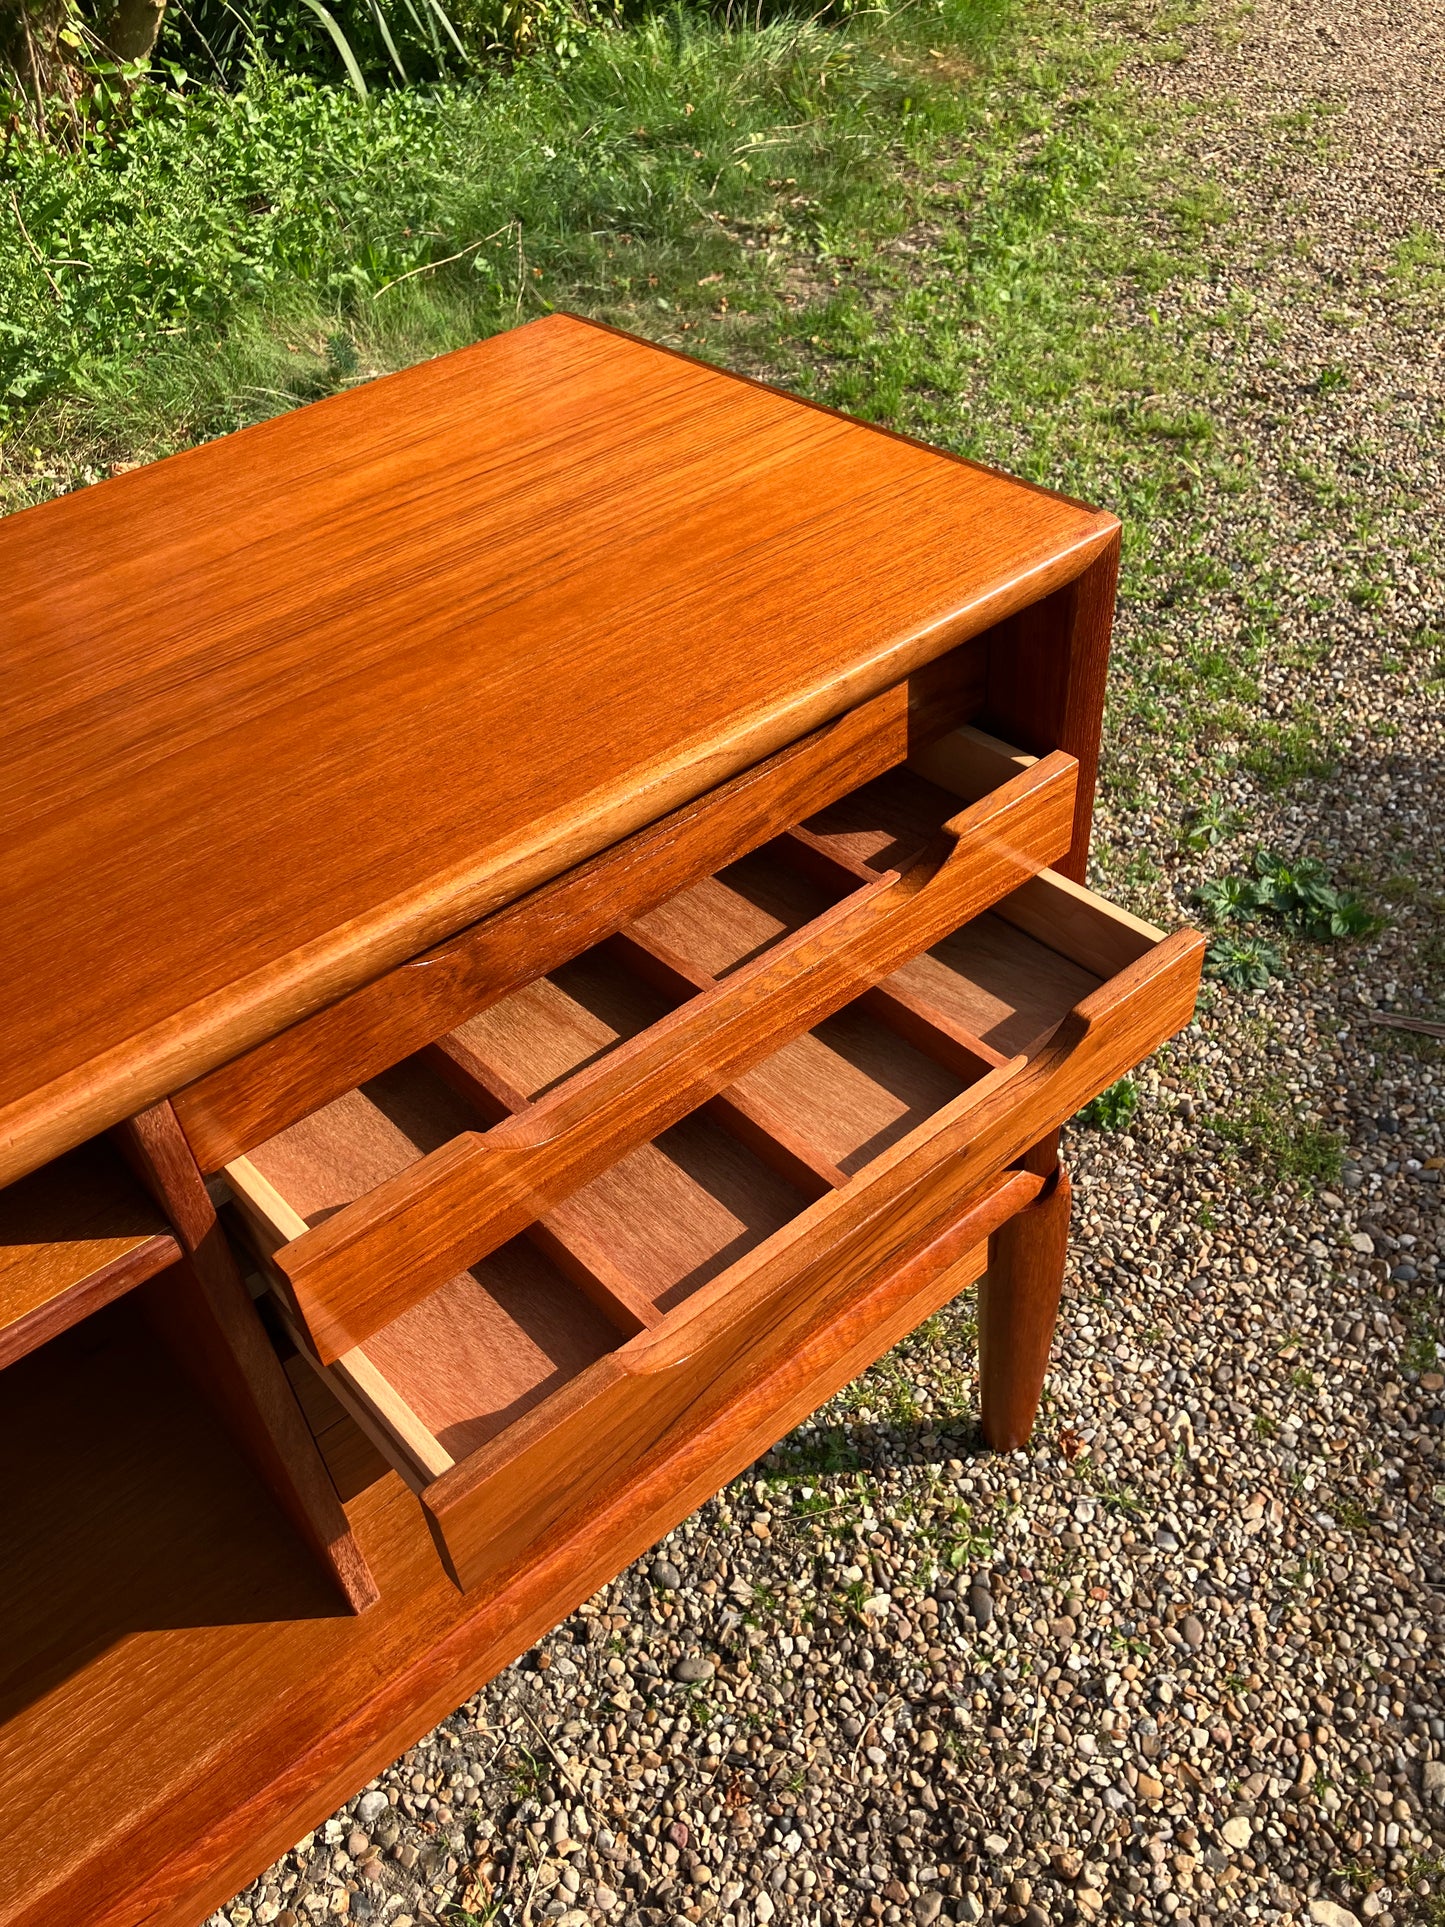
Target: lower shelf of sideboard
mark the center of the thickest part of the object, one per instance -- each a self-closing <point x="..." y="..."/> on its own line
<point x="181" y="1699"/>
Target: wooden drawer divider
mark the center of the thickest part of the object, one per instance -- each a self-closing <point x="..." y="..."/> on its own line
<point x="389" y="1248"/>
<point x="237" y="1106"/>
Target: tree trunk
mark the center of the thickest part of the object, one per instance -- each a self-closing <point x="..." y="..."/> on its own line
<point x="132" y="29"/>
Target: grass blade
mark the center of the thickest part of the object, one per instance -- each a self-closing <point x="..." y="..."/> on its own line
<point x="441" y="13"/>
<point x="343" y="45"/>
<point x="379" y="14"/>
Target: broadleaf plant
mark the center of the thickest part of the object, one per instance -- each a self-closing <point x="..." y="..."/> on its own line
<point x="1296" y="896"/>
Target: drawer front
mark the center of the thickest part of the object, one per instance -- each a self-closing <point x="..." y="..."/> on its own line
<point x="228" y="1112"/>
<point x="390" y="1247"/>
<point x="726" y="1364"/>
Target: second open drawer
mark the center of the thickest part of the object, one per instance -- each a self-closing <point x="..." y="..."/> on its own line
<point x="558" y="1080"/>
<point x="525" y="1382"/>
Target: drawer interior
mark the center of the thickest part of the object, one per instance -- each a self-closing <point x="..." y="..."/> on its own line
<point x="626" y="1251"/>
<point x="623" y="1254"/>
<point x="491" y="1343"/>
<point x="993" y="984"/>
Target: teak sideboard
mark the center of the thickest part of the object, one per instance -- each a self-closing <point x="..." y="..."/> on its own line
<point x="544" y="930"/>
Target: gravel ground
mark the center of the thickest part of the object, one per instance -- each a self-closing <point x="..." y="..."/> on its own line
<point x="1183" y="1657"/>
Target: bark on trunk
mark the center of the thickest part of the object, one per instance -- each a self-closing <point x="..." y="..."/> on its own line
<point x="132" y="29"/>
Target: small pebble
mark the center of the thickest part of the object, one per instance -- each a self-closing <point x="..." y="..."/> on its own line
<point x="692" y="1669"/>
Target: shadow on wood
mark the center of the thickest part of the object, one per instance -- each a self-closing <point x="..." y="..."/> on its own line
<point x="112" y="1476"/>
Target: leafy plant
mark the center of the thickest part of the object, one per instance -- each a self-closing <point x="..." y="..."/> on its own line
<point x="1230" y="899"/>
<point x="1212" y="822"/>
<point x="1111" y="1110"/>
<point x="1244" y="963"/>
<point x="1303" y="899"/>
<point x="405" y="40"/>
<point x="184" y="276"/>
<point x="1296" y="896"/>
<point x="1423" y="1348"/>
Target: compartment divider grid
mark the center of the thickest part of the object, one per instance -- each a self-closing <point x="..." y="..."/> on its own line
<point x="560" y="1236"/>
<point x="751" y="1120"/>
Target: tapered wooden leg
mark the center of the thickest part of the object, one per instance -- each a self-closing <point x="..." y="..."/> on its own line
<point x="203" y="1311"/>
<point x="1018" y="1304"/>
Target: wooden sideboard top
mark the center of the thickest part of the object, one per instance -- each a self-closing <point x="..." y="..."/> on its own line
<point x="283" y="709"/>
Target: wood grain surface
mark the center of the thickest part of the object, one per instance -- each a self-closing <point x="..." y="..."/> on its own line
<point x="854" y="1232"/>
<point x="74" y="1236"/>
<point x="1047" y="672"/>
<point x="202" y="1310"/>
<point x="631" y="1404"/>
<point x="494" y="1503"/>
<point x="1017" y="1308"/>
<point x="245" y="1101"/>
<point x="209" y="1704"/>
<point x="285" y="709"/>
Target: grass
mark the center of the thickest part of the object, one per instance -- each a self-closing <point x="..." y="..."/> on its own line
<point x="226" y="256"/>
<point x="1281" y="1141"/>
<point x="1283" y="754"/>
<point x="1424" y="1347"/>
<point x="991" y="324"/>
<point x="924" y="217"/>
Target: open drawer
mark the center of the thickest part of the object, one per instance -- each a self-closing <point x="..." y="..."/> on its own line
<point x="511" y="1402"/>
<point x="524" y="1383"/>
<point x="690" y="997"/>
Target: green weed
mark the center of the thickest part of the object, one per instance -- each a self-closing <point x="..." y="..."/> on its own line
<point x="969" y="1542"/>
<point x="1418" y="267"/>
<point x="1113" y="1109"/>
<point x="1282" y="754"/>
<point x="1425" y="1345"/>
<point x="527" y="1773"/>
<point x="1243" y="963"/>
<point x="1280" y="1140"/>
<point x="1123" y="1499"/>
<point x="1209" y="823"/>
<point x="1295" y="896"/>
<point x="823" y="1451"/>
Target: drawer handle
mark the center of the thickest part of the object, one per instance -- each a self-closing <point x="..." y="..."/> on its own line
<point x="387" y="1250"/>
